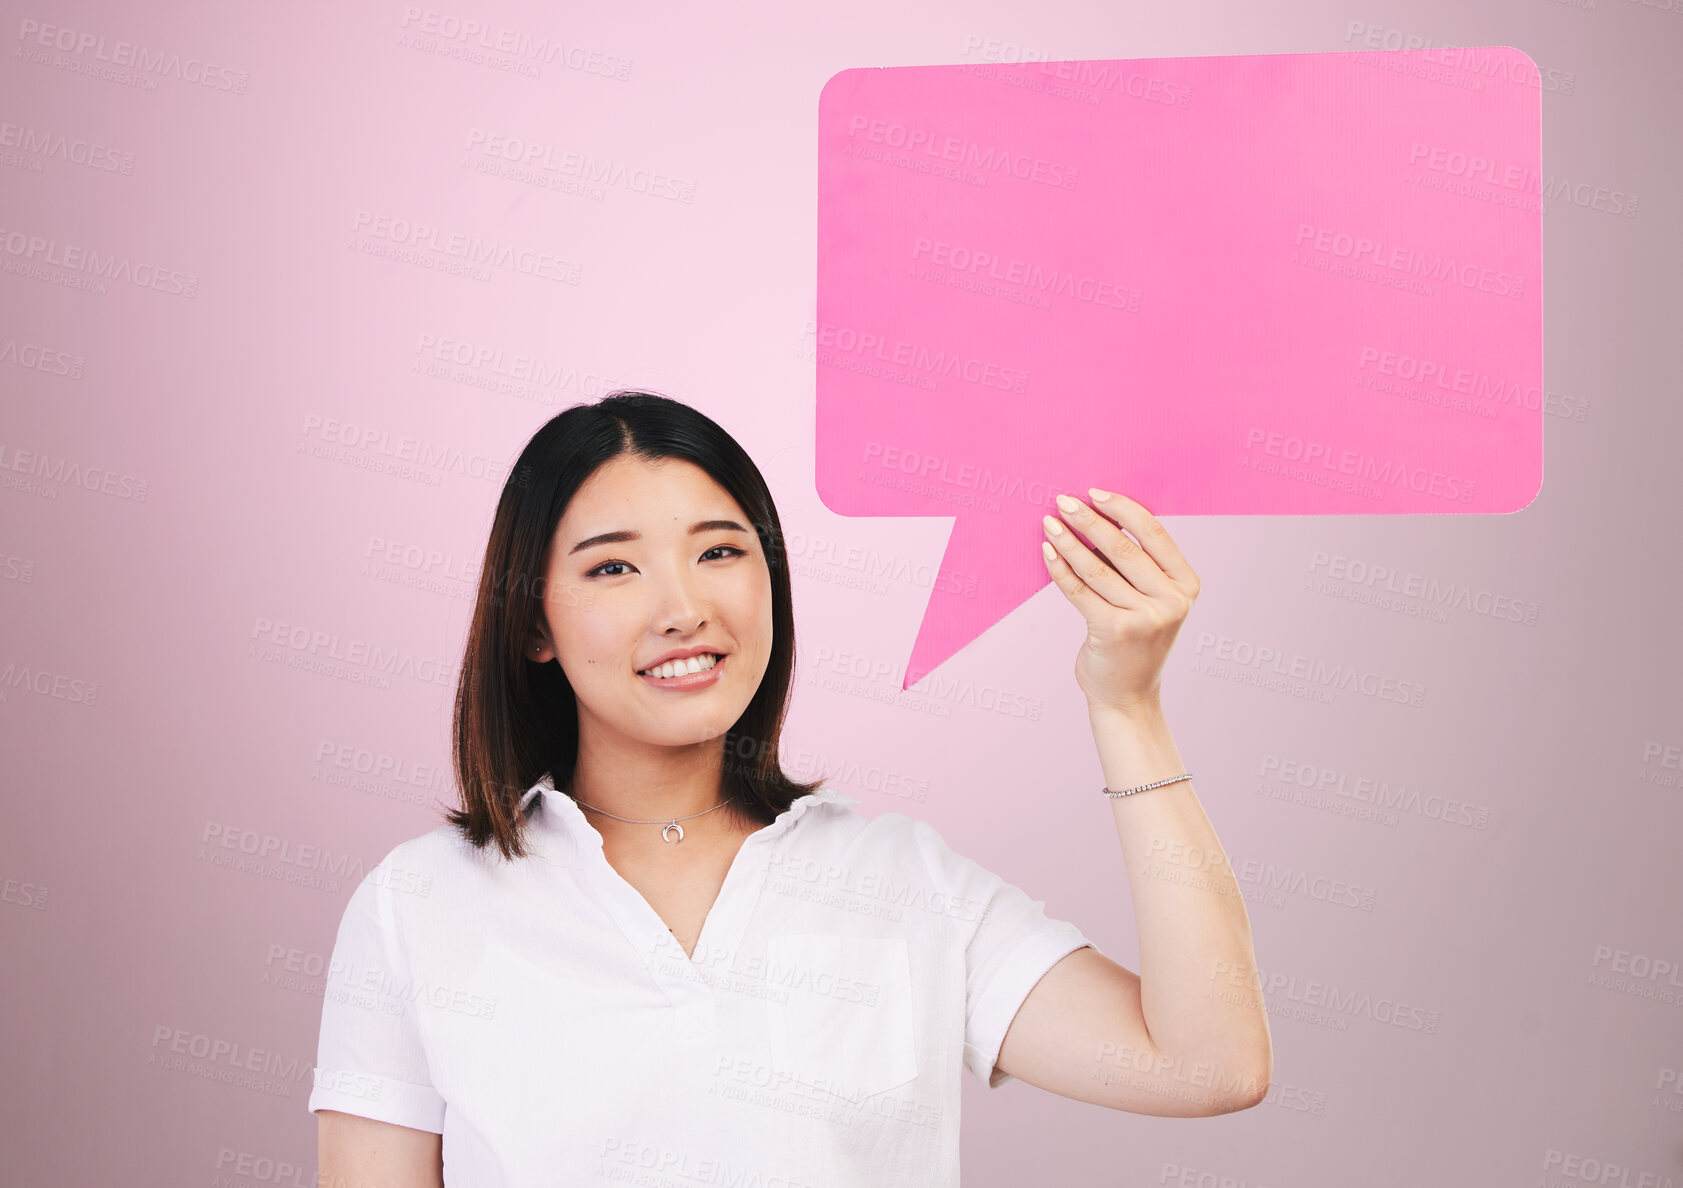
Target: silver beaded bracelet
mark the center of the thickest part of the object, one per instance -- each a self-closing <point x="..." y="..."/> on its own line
<point x="1148" y="787"/>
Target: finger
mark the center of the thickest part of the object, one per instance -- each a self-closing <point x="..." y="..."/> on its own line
<point x="1089" y="568"/>
<point x="1117" y="548"/>
<point x="1067" y="580"/>
<point x="1148" y="530"/>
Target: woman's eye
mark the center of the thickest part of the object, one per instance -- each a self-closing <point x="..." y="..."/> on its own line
<point x="606" y="564"/>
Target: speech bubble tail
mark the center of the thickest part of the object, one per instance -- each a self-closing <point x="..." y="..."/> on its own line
<point x="981" y="580"/>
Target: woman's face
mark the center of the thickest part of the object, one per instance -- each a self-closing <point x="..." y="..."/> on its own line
<point x="614" y="607"/>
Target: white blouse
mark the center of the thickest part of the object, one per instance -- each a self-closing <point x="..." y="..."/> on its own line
<point x="543" y="1019"/>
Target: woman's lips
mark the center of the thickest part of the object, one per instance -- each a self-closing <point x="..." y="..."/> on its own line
<point x="686" y="681"/>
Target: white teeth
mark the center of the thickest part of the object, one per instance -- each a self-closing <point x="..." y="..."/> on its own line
<point x="674" y="668"/>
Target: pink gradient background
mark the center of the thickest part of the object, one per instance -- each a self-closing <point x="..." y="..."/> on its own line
<point x="1545" y="645"/>
<point x="1231" y="369"/>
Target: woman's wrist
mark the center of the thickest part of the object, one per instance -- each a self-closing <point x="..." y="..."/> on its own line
<point x="1134" y="745"/>
<point x="1144" y="714"/>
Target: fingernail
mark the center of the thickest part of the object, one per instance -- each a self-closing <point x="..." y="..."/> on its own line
<point x="1098" y="495"/>
<point x="1052" y="525"/>
<point x="1048" y="551"/>
<point x="1068" y="504"/>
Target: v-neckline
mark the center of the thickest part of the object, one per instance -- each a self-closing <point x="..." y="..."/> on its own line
<point x="708" y="916"/>
<point x="726" y="919"/>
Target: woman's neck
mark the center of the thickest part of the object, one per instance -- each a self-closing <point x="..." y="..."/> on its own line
<point x="630" y="810"/>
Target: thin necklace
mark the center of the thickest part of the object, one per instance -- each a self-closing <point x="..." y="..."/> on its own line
<point x="665" y="834"/>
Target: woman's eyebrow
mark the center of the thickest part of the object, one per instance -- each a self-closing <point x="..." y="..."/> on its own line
<point x="626" y="534"/>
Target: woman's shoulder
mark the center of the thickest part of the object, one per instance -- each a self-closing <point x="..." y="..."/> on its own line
<point x="889" y="834"/>
<point x="918" y="843"/>
<point x="438" y="854"/>
<point x="886" y="823"/>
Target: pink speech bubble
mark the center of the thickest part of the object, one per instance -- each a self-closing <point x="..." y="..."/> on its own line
<point x="1281" y="284"/>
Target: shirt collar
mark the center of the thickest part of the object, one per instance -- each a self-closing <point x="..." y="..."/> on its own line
<point x="560" y="813"/>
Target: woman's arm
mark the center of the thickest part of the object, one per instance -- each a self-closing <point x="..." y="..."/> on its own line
<point x="1190" y="1038"/>
<point x="364" y="1153"/>
<point x="1189" y="1035"/>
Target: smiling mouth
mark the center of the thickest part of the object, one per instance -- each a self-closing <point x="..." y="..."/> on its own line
<point x="678" y="668"/>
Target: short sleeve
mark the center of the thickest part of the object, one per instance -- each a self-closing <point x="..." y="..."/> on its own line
<point x="369" y="1059"/>
<point x="1013" y="945"/>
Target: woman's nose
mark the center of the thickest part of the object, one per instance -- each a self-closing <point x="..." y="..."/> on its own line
<point x="679" y="606"/>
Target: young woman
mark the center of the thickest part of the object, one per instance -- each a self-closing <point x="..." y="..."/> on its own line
<point x="640" y="950"/>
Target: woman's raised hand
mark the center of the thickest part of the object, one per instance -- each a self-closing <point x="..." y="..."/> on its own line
<point x="1134" y="592"/>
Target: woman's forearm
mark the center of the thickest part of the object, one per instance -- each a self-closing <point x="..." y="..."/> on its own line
<point x="1198" y="986"/>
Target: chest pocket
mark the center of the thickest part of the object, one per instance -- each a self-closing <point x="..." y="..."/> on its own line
<point x="847" y="1019"/>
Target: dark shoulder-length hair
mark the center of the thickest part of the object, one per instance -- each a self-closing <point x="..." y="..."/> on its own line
<point x="516" y="720"/>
